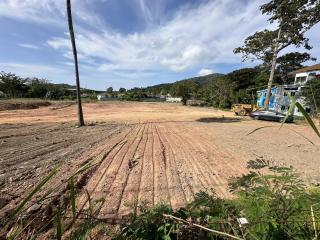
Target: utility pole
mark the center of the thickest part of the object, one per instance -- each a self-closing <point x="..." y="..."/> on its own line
<point x="75" y="57"/>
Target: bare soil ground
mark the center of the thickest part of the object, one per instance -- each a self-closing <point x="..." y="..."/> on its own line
<point x="145" y="152"/>
<point x="22" y="104"/>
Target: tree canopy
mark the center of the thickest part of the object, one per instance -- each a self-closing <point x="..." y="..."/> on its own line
<point x="109" y="90"/>
<point x="293" y="18"/>
<point x="184" y="90"/>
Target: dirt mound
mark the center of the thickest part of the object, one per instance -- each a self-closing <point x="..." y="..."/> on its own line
<point x="22" y="104"/>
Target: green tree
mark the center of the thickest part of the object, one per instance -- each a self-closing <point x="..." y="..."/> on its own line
<point x="311" y="92"/>
<point x="13" y="85"/>
<point x="291" y="62"/>
<point x="122" y="90"/>
<point x="38" y="88"/>
<point x="75" y="57"/>
<point x="222" y="92"/>
<point x="184" y="89"/>
<point x="109" y="90"/>
<point x="294" y="18"/>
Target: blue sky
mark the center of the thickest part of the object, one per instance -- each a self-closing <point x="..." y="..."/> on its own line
<point x="128" y="43"/>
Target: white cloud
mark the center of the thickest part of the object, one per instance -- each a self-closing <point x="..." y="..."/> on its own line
<point x="204" y="72"/>
<point x="31" y="70"/>
<point x="51" y="12"/>
<point x="152" y="11"/>
<point x="40" y="11"/>
<point x="26" y="45"/>
<point x="194" y="37"/>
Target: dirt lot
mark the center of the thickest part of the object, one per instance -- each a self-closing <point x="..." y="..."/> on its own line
<point x="22" y="104"/>
<point x="145" y="152"/>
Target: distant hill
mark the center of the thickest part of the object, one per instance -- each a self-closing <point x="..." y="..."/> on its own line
<point x="73" y="87"/>
<point x="201" y="80"/>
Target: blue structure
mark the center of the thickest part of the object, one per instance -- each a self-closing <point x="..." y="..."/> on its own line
<point x="262" y="97"/>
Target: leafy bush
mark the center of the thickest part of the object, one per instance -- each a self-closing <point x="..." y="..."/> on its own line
<point x="276" y="204"/>
<point x="149" y="224"/>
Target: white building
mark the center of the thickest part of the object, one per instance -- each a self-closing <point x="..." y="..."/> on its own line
<point x="171" y="99"/>
<point x="302" y="76"/>
<point x="280" y="99"/>
<point x="174" y="99"/>
<point x="104" y="97"/>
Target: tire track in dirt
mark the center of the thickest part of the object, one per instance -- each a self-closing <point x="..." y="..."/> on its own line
<point x="206" y="173"/>
<point x="193" y="175"/>
<point x="130" y="195"/>
<point x="101" y="180"/>
<point x="28" y="130"/>
<point x="219" y="160"/>
<point x="183" y="168"/>
<point x="53" y="154"/>
<point x="177" y="169"/>
<point x="161" y="193"/>
<point x="225" y="164"/>
<point x="36" y="167"/>
<point x="44" y="149"/>
<point x="146" y="188"/>
<point x="176" y="194"/>
<point x="170" y="164"/>
<point x="68" y="168"/>
<point x="41" y="140"/>
<point x="114" y="194"/>
<point x="202" y="174"/>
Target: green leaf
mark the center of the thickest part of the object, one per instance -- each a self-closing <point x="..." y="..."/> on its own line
<point x="90" y="203"/>
<point x="308" y="118"/>
<point x="14" y="232"/>
<point x="83" y="168"/>
<point x="257" y="129"/>
<point x="290" y="111"/>
<point x="59" y="225"/>
<point x="73" y="198"/>
<point x="34" y="191"/>
<point x="301" y="135"/>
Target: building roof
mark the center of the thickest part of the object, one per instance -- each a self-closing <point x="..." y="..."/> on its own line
<point x="307" y="69"/>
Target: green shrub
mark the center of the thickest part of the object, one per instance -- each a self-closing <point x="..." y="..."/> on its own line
<point x="276" y="204"/>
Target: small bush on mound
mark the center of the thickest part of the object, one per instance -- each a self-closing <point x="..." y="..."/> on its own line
<point x="277" y="205"/>
<point x="22" y="104"/>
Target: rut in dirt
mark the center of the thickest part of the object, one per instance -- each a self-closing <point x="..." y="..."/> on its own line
<point x="158" y="163"/>
<point x="138" y="164"/>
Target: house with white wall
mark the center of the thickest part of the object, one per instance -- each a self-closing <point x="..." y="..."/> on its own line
<point x="171" y="99"/>
<point x="280" y="95"/>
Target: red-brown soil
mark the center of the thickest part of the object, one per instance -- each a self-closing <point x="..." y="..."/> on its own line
<point x="145" y="152"/>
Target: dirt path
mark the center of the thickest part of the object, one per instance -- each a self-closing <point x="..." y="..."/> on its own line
<point x="155" y="153"/>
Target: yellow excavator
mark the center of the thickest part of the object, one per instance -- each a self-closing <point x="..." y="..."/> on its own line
<point x="243" y="109"/>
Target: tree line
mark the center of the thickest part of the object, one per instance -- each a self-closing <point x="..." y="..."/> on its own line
<point x="239" y="86"/>
<point x="14" y="86"/>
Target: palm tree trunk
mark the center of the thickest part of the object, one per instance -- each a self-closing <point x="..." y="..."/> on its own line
<point x="273" y="68"/>
<point x="74" y="50"/>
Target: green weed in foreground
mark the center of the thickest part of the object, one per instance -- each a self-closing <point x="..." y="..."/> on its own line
<point x="277" y="206"/>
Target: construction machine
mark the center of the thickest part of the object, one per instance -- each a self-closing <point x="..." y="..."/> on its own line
<point x="243" y="109"/>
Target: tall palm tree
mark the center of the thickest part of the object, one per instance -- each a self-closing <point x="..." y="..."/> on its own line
<point x="74" y="50"/>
